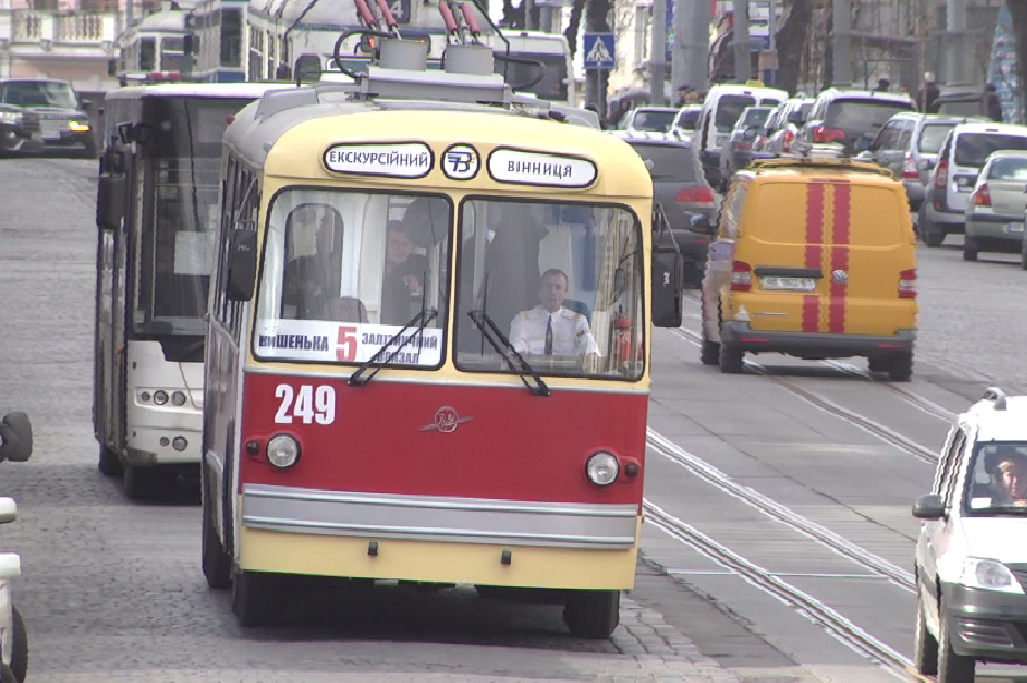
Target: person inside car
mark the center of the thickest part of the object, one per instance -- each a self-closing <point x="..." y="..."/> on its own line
<point x="1009" y="479"/>
<point x="549" y="328"/>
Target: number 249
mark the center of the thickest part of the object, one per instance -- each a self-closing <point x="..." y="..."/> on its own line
<point x="308" y="404"/>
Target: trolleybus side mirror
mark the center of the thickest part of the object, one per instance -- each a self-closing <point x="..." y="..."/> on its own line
<point x="242" y="264"/>
<point x="110" y="197"/>
<point x="112" y="67"/>
<point x="668" y="269"/>
<point x="15" y="437"/>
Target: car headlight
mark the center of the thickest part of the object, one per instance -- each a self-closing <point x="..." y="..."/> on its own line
<point x="602" y="468"/>
<point x="10" y="116"/>
<point x="989" y="574"/>
<point x="283" y="451"/>
<point x="78" y="126"/>
<point x="160" y="397"/>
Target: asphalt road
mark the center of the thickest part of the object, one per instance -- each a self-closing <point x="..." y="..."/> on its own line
<point x="779" y="548"/>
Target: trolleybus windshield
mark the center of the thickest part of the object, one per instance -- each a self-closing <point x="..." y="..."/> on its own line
<point x="344" y="272"/>
<point x="177" y="213"/>
<point x="562" y="281"/>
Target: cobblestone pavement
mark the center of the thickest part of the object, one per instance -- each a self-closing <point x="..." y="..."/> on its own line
<point x="113" y="591"/>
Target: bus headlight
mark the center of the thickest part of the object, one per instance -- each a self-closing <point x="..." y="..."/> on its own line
<point x="160" y="397"/>
<point x="178" y="398"/>
<point x="283" y="451"/>
<point x="602" y="468"/>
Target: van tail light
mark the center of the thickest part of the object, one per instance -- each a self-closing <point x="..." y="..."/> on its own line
<point x="741" y="276"/>
<point x="699" y="194"/>
<point x="907" y="284"/>
<point x="941" y="175"/>
<point x="822" y="134"/>
<point x="787" y="140"/>
<point x="742" y="145"/>
<point x="982" y="197"/>
<point x="909" y="168"/>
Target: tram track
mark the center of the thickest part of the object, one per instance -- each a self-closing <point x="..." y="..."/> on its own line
<point x="835" y="624"/>
<point x="882" y="432"/>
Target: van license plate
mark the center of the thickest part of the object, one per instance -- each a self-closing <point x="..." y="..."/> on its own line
<point x="50" y="130"/>
<point x="798" y="284"/>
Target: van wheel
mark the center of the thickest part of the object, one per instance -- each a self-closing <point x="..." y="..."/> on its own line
<point x="933" y="237"/>
<point x="900" y="369"/>
<point x="592" y="614"/>
<point x="925" y="646"/>
<point x="110" y="463"/>
<point x="709" y="352"/>
<point x="1023" y="255"/>
<point x="969" y="249"/>
<point x="731" y="359"/>
<point x="139" y="481"/>
<point x="258" y="599"/>
<point x="952" y="668"/>
<point x="877" y="364"/>
<point x="19" y="646"/>
<point x="217" y="565"/>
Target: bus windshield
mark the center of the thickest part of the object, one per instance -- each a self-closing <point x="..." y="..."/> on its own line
<point x="177" y="213"/>
<point x="562" y="281"/>
<point x="371" y="261"/>
<point x="552" y="87"/>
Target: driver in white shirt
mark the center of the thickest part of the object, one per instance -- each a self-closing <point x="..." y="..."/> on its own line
<point x="549" y="328"/>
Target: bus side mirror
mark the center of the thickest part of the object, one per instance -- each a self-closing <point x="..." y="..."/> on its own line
<point x="668" y="272"/>
<point x="242" y="264"/>
<point x="15" y="437"/>
<point x="110" y="201"/>
<point x="112" y="67"/>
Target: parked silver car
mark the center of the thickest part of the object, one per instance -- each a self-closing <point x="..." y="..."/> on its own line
<point x="782" y="129"/>
<point x="995" y="209"/>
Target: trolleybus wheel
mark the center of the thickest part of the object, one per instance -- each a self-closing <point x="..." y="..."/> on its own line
<point x="217" y="565"/>
<point x="110" y="463"/>
<point x="257" y="598"/>
<point x="19" y="647"/>
<point x="592" y="614"/>
<point x="138" y="481"/>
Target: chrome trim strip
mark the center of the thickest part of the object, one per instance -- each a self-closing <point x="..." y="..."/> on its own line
<point x="470" y="520"/>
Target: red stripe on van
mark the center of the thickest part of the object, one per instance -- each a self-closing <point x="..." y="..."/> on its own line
<point x="814" y="251"/>
<point x="839" y="256"/>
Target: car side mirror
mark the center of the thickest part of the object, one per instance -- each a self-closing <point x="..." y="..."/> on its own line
<point x="929" y="507"/>
<point x="15" y="437"/>
<point x="110" y="201"/>
<point x="668" y="274"/>
<point x="242" y="264"/>
<point x="700" y="224"/>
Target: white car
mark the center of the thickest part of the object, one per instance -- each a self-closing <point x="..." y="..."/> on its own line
<point x="995" y="208"/>
<point x="971" y="559"/>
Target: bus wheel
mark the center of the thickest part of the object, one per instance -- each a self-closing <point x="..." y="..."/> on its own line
<point x="110" y="463"/>
<point x="592" y="614"/>
<point x="217" y="565"/>
<point x="258" y="599"/>
<point x="19" y="646"/>
<point x="139" y="481"/>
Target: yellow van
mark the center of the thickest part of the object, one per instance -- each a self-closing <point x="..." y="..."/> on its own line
<point x="814" y="258"/>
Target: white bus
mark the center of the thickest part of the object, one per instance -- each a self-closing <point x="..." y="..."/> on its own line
<point x="557" y="84"/>
<point x="154" y="248"/>
<point x="154" y="50"/>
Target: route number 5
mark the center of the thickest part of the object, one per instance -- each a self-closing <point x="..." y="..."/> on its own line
<point x="347" y="346"/>
<point x="309" y="404"/>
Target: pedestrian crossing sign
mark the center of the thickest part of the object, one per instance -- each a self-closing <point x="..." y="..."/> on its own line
<point x="599" y="51"/>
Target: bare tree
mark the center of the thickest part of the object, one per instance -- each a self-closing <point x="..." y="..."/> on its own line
<point x="1018" y="13"/>
<point x="791" y="41"/>
<point x="571" y="34"/>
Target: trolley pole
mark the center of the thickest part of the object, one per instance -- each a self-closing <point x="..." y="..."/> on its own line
<point x="657" y="54"/>
<point x="841" y="42"/>
<point x="742" y="48"/>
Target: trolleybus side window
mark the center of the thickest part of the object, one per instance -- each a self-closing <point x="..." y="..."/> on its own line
<point x="344" y="271"/>
<point x="562" y="281"/>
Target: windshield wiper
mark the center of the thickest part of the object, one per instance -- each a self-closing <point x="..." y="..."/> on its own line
<point x="421" y="320"/>
<point x="504" y="348"/>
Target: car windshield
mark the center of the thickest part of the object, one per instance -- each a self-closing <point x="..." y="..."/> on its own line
<point x="687" y="119"/>
<point x="729" y="108"/>
<point x="653" y="120"/>
<point x="997" y="479"/>
<point x="861" y="115"/>
<point x="753" y="117"/>
<point x="39" y="94"/>
<point x="1008" y="168"/>
<point x="344" y="271"/>
<point x="933" y="136"/>
<point x="562" y="281"/>
<point x="669" y="162"/>
<point x="973" y="149"/>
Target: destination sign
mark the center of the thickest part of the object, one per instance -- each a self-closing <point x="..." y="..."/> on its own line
<point x="522" y="167"/>
<point x="393" y="159"/>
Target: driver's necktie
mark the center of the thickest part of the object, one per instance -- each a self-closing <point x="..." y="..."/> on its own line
<point x="549" y="336"/>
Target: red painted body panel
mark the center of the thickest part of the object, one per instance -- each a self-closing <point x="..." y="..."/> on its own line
<point x="516" y="446"/>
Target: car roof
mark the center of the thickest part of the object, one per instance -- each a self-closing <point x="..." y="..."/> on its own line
<point x="33" y="80"/>
<point x="630" y="136"/>
<point x="833" y="94"/>
<point x="990" y="127"/>
<point x="999" y="419"/>
<point x="789" y="168"/>
<point x="671" y="109"/>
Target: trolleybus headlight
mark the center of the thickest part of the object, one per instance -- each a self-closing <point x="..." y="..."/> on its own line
<point x="178" y="398"/>
<point x="602" y="468"/>
<point x="160" y="397"/>
<point x="283" y="451"/>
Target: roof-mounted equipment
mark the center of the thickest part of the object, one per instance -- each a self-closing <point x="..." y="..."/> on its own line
<point x="997" y="395"/>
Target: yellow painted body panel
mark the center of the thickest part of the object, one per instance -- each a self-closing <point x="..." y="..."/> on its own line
<point x="437" y="561"/>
